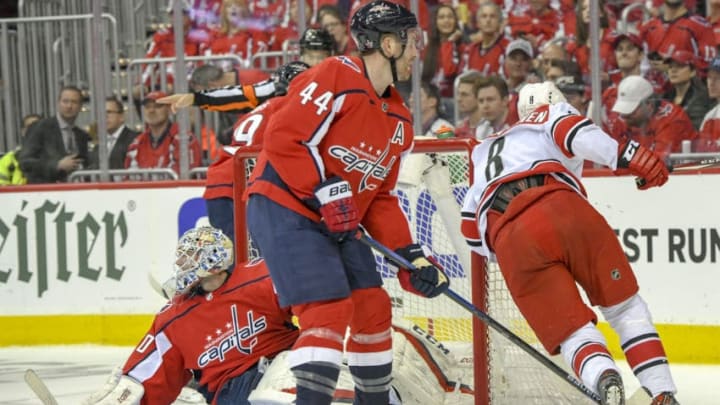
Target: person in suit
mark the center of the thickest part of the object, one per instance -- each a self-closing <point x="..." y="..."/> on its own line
<point x="119" y="136"/>
<point x="54" y="147"/>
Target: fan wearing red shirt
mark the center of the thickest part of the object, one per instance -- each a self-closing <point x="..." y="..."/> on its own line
<point x="487" y="55"/>
<point x="654" y="123"/>
<point x="536" y="22"/>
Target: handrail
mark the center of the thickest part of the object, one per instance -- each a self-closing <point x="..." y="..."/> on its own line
<point x="198" y="173"/>
<point x="622" y="25"/>
<point x="81" y="176"/>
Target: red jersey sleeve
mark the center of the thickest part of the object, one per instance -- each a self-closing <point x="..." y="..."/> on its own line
<point x="157" y="364"/>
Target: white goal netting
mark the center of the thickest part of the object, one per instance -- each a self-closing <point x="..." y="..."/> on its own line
<point x="431" y="187"/>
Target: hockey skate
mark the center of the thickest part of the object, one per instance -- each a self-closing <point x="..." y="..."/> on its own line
<point x="610" y="388"/>
<point x="665" y="398"/>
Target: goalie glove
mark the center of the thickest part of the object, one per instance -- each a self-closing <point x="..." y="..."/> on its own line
<point x="428" y="279"/>
<point x="643" y="163"/>
<point x="118" y="389"/>
<point x="336" y="205"/>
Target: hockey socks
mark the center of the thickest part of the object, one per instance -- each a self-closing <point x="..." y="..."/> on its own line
<point x="315" y="382"/>
<point x="372" y="383"/>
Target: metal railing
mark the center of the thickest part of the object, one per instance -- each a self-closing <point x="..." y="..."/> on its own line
<point x="91" y="176"/>
<point x="46" y="53"/>
<point x="623" y="25"/>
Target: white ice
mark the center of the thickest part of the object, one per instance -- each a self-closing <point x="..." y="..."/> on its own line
<point x="74" y="372"/>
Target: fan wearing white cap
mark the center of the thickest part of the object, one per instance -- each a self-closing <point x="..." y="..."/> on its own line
<point x="652" y="122"/>
<point x="528" y="207"/>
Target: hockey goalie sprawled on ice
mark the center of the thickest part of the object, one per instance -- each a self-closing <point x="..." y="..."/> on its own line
<point x="222" y="326"/>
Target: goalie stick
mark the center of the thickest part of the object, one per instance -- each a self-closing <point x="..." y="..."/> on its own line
<point x="39" y="388"/>
<point x="497" y="326"/>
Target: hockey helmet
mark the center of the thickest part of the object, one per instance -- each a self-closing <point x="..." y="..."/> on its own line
<point x="201" y="252"/>
<point x="533" y="95"/>
<point x="380" y="17"/>
<point x="317" y="40"/>
<point x="285" y="74"/>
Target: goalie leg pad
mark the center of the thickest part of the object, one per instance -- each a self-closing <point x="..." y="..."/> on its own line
<point x="641" y="343"/>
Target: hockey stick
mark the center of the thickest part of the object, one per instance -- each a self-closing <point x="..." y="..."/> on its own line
<point x="39" y="388"/>
<point x="498" y="327"/>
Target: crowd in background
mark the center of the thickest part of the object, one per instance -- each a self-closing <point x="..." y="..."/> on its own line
<point x="659" y="72"/>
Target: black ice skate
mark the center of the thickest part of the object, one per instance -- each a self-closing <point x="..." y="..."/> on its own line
<point x="610" y="388"/>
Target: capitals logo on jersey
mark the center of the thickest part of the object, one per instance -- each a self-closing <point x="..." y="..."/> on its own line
<point x="243" y="339"/>
<point x="368" y="159"/>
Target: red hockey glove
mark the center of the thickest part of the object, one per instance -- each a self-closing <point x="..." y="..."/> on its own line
<point x="644" y="163"/>
<point x="428" y="280"/>
<point x="337" y="207"/>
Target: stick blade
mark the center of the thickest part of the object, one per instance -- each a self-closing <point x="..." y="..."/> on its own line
<point x="39" y="388"/>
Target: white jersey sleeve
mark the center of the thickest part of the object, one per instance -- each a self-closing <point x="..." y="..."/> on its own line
<point x="553" y="139"/>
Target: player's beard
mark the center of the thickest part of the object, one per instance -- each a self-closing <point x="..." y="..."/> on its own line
<point x="674" y="3"/>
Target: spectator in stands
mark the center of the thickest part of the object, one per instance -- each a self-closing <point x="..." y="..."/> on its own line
<point x="288" y="29"/>
<point x="493" y="104"/>
<point x="575" y="91"/>
<point x="688" y="91"/>
<point x="159" y="145"/>
<point x="10" y="173"/>
<point x="487" y="51"/>
<point x="331" y="20"/>
<point x="558" y="68"/>
<point x="441" y="62"/>
<point x="709" y="137"/>
<point x="162" y="45"/>
<point x="534" y="21"/>
<point x="238" y="33"/>
<point x="678" y="29"/>
<point x="553" y="51"/>
<point x="518" y="71"/>
<point x="518" y="64"/>
<point x="432" y="119"/>
<point x="54" y="147"/>
<point x="713" y="17"/>
<point x="655" y="123"/>
<point x="467" y="105"/>
<point x="579" y="47"/>
<point x="119" y="136"/>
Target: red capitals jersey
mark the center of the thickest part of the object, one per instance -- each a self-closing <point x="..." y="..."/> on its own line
<point x="487" y="61"/>
<point x="243" y="43"/>
<point x="668" y="127"/>
<point x="163" y="46"/>
<point x="543" y="26"/>
<point x="143" y="153"/>
<point x="332" y="123"/>
<point x="690" y="33"/>
<point x="221" y="334"/>
<point x="247" y="131"/>
<point x="553" y="139"/>
<point x="581" y="53"/>
<point x="448" y="67"/>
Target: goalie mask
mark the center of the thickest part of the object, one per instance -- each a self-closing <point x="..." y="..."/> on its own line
<point x="201" y="252"/>
<point x="533" y="95"/>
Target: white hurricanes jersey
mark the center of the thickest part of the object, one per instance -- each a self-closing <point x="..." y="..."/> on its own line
<point x="553" y="139"/>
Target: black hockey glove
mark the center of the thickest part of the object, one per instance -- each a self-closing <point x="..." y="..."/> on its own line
<point x="428" y="280"/>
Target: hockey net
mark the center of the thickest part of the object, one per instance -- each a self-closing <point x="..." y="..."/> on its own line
<point x="432" y="184"/>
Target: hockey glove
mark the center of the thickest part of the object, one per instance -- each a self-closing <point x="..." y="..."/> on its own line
<point x="428" y="280"/>
<point x="337" y="207"/>
<point x="644" y="163"/>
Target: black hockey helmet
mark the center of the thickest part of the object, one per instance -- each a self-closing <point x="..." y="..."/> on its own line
<point x="317" y="40"/>
<point x="380" y="17"/>
<point x="285" y="74"/>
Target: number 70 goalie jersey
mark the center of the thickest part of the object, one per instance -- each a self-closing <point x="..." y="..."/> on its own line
<point x="552" y="139"/>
